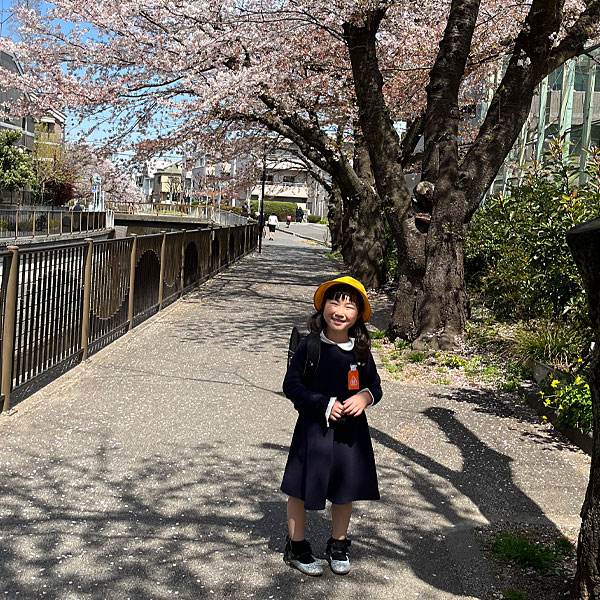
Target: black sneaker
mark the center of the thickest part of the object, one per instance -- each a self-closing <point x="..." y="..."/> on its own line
<point x="337" y="555"/>
<point x="302" y="558"/>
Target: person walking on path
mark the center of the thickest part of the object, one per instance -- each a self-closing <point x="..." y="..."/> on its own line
<point x="331" y="454"/>
<point x="272" y="223"/>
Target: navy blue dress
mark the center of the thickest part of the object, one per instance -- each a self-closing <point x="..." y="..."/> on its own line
<point x="336" y="462"/>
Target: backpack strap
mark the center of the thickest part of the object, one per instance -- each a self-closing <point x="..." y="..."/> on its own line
<point x="313" y="354"/>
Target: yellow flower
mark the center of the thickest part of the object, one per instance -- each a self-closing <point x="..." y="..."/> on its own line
<point x="554" y="383"/>
<point x="587" y="386"/>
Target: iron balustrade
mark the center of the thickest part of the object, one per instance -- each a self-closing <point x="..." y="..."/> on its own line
<point x="197" y="211"/>
<point x="39" y="221"/>
<point x="59" y="305"/>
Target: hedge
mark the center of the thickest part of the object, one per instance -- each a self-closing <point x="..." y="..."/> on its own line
<point x="281" y="209"/>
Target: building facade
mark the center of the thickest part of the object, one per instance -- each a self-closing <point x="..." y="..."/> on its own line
<point x="567" y="105"/>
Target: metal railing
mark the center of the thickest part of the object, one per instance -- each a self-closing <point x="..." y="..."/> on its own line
<point x="60" y="304"/>
<point x="18" y="223"/>
<point x="201" y="212"/>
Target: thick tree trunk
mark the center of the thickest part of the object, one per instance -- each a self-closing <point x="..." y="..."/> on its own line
<point x="363" y="231"/>
<point x="584" y="242"/>
<point x="363" y="226"/>
<point x="334" y="216"/>
<point x="364" y="223"/>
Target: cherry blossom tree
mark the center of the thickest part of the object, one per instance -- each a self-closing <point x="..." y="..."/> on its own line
<point x="83" y="160"/>
<point x="325" y="75"/>
<point x="334" y="78"/>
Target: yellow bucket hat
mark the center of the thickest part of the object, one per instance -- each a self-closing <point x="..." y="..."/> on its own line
<point x="346" y="280"/>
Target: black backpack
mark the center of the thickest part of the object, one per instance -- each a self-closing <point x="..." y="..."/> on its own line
<point x="313" y="353"/>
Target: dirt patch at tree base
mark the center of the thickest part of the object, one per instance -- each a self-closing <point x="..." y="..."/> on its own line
<point x="553" y="583"/>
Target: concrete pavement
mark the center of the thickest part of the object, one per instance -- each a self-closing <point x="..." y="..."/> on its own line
<point x="152" y="471"/>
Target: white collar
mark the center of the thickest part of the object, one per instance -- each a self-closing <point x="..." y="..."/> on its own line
<point x="349" y="345"/>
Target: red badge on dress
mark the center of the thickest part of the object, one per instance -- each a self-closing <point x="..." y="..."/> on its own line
<point x="353" y="383"/>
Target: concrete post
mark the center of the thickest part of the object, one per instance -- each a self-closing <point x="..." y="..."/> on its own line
<point x="87" y="288"/>
<point x="8" y="336"/>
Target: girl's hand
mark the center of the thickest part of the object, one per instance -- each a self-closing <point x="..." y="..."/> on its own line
<point x="337" y="411"/>
<point x="355" y="405"/>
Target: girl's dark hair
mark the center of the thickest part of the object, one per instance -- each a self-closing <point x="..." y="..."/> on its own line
<point x="362" y="339"/>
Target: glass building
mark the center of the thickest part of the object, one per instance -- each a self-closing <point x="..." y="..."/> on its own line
<point x="567" y="104"/>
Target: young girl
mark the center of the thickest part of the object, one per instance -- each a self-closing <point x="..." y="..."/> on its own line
<point x="331" y="456"/>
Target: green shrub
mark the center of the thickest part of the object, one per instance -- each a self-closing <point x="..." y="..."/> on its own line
<point x="3" y="225"/>
<point x="324" y="221"/>
<point x="377" y="335"/>
<point x="572" y="402"/>
<point x="516" y="256"/>
<point x="313" y="218"/>
<point x="234" y="209"/>
<point x="281" y="209"/>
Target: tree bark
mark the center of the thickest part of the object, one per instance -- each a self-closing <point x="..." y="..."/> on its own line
<point x="363" y="226"/>
<point x="431" y="301"/>
<point x="334" y="216"/>
<point x="584" y="242"/>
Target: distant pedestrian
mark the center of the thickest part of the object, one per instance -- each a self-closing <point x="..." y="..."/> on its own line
<point x="288" y="220"/>
<point x="77" y="206"/>
<point x="331" y="455"/>
<point x="245" y="211"/>
<point x="299" y="215"/>
<point x="272" y="222"/>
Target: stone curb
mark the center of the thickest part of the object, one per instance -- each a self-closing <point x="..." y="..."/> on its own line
<point x="304" y="237"/>
<point x="531" y="393"/>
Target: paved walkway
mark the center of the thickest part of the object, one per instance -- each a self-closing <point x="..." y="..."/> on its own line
<point x="152" y="471"/>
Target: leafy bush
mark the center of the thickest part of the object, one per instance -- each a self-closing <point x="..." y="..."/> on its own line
<point x="281" y="209"/>
<point x="313" y="219"/>
<point x="572" y="402"/>
<point x="234" y="209"/>
<point x="516" y="257"/>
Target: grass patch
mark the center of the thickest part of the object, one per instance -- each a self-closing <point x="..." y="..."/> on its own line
<point x="453" y="361"/>
<point x="377" y="335"/>
<point x="518" y="550"/>
<point x="401" y="345"/>
<point x="335" y="254"/>
<point x="511" y="594"/>
<point x="509" y="385"/>
<point x="417" y="357"/>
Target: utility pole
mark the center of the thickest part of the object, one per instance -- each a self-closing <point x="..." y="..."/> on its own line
<point x="261" y="218"/>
